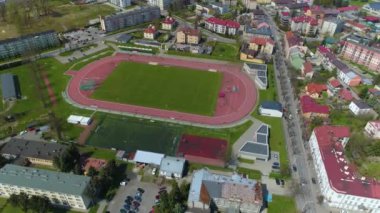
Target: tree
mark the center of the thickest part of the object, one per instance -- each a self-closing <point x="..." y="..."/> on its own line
<point x="39" y="204"/>
<point x="320" y="199"/>
<point x="363" y="93"/>
<point x="376" y="79"/>
<point x="68" y="160"/>
<point x="13" y="199"/>
<point x="23" y="201"/>
<point x="92" y="172"/>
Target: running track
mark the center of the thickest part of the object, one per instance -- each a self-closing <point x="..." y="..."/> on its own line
<point x="100" y="69"/>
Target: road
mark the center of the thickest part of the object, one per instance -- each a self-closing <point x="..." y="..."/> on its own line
<point x="306" y="196"/>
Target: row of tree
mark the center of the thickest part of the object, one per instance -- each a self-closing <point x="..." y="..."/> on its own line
<point x="40" y="204"/>
<point x="69" y="160"/>
<point x="175" y="200"/>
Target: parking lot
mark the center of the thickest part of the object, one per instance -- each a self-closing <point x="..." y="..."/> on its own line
<point x="146" y="203"/>
<point x="79" y="38"/>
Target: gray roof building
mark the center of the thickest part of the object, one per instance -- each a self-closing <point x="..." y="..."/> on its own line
<point x="45" y="180"/>
<point x="8" y="87"/>
<point x="259" y="72"/>
<point x="172" y="166"/>
<point x="258" y="148"/>
<point x="21" y="148"/>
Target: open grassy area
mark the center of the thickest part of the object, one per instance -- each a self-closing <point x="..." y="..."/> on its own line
<point x="252" y="174"/>
<point x="197" y="166"/>
<point x="370" y="169"/>
<point x="359" y="3"/>
<point x="243" y="160"/>
<point x="64" y="16"/>
<point x="8" y="208"/>
<point x="276" y="137"/>
<point x="170" y="88"/>
<point x="282" y="204"/>
<point x="95" y="152"/>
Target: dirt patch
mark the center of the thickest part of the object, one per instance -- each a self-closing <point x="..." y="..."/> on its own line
<point x="86" y="132"/>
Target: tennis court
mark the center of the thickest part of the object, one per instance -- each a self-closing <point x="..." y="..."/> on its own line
<point x="131" y="134"/>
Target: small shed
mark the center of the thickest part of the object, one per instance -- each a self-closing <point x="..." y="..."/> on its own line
<point x="81" y="120"/>
<point x="148" y="157"/>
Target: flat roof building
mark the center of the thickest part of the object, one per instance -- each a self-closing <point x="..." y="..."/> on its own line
<point x="258" y="147"/>
<point x="172" y="167"/>
<point x="8" y="87"/>
<point x="37" y="152"/>
<point x="148" y="157"/>
<point x="63" y="189"/>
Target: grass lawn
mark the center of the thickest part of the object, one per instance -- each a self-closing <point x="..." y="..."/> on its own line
<point x="370" y="169"/>
<point x="252" y="174"/>
<point x="359" y="3"/>
<point x="243" y="160"/>
<point x="282" y="204"/>
<point x="170" y="88"/>
<point x="345" y="117"/>
<point x="8" y="208"/>
<point x="96" y="152"/>
<point x="50" y="168"/>
<point x="64" y="17"/>
<point x="197" y="166"/>
<point x="276" y="137"/>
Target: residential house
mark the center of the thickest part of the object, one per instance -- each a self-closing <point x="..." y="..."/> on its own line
<point x="150" y="32"/>
<point x="262" y="45"/>
<point x="172" y="167"/>
<point x="258" y="14"/>
<point x="220" y="26"/>
<point x="35" y="152"/>
<point x="372" y="128"/>
<point x="187" y="35"/>
<point x="284" y="17"/>
<point x="333" y="87"/>
<point x="359" y="51"/>
<point x="260" y="31"/>
<point x="305" y="25"/>
<point x="15" y="47"/>
<point x="331" y="26"/>
<point x="296" y="59"/>
<point x="315" y="90"/>
<point x="225" y="192"/>
<point x="121" y="3"/>
<point x="340" y="183"/>
<point x="356" y="26"/>
<point x="271" y="109"/>
<point x="310" y="108"/>
<point x="307" y="70"/>
<point x="348" y="9"/>
<point x="162" y="4"/>
<point x="345" y="95"/>
<point x="263" y="1"/>
<point x="349" y="78"/>
<point x="257" y="148"/>
<point x="168" y="23"/>
<point x="63" y="189"/>
<point x="359" y="108"/>
<point x="127" y="19"/>
<point x="220" y="8"/>
<point x="372" y="8"/>
<point x="292" y="41"/>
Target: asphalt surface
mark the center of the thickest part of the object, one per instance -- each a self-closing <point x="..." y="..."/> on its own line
<point x="306" y="196"/>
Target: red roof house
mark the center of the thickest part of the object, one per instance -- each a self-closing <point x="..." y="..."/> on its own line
<point x="349" y="8"/>
<point x="345" y="95"/>
<point x="168" y="23"/>
<point x="310" y="108"/>
<point x="315" y="90"/>
<point x="95" y="163"/>
<point x="307" y="69"/>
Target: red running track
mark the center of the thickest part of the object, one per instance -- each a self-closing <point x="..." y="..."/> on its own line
<point x="231" y="108"/>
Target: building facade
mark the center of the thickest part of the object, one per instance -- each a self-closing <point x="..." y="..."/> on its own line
<point x="331" y="26"/>
<point x="372" y="128"/>
<point x="220" y="26"/>
<point x="305" y="25"/>
<point x="172" y="167"/>
<point x="121" y="3"/>
<point x="162" y="4"/>
<point x="340" y="185"/>
<point x="358" y="52"/>
<point x="150" y="32"/>
<point x="359" y="108"/>
<point x="62" y="189"/>
<point x="188" y="36"/>
<point x="15" y="47"/>
<point x="168" y="23"/>
<point x="131" y="18"/>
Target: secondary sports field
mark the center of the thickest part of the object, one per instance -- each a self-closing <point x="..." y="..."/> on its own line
<point x="130" y="135"/>
<point x="163" y="87"/>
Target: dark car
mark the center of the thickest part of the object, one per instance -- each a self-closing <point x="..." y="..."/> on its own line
<point x="282" y="182"/>
<point x="276" y="164"/>
<point x="157" y="197"/>
<point x="163" y="188"/>
<point x="277" y="181"/>
<point x="127" y="207"/>
<point x="313" y="180"/>
<point x="294" y="168"/>
<point x="275" y="167"/>
<point x="136" y="204"/>
<point x="141" y="190"/>
<point x="128" y="201"/>
<point x="129" y="198"/>
<point x="162" y="191"/>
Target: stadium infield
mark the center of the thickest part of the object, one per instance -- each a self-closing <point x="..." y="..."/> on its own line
<point x="129" y="134"/>
<point x="163" y="87"/>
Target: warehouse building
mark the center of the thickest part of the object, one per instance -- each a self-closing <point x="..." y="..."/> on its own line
<point x="62" y="189"/>
<point x="131" y="18"/>
<point x="15" y="47"/>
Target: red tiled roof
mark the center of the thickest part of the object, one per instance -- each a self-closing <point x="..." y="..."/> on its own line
<point x="349" y="8"/>
<point x="345" y="94"/>
<point x="97" y="164"/>
<point x="305" y="19"/>
<point x="335" y="83"/>
<point x="190" y="31"/>
<point x="168" y="20"/>
<point x="342" y="176"/>
<point x="356" y="24"/>
<point x="227" y="23"/>
<point x="372" y="18"/>
<point x="307" y="67"/>
<point x="261" y="41"/>
<point x="323" y="49"/>
<point x="150" y="29"/>
<point x="285" y="13"/>
<point x="316" y="88"/>
<point x="309" y="105"/>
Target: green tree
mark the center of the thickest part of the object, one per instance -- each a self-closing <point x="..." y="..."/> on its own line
<point x="23" y="201"/>
<point x="363" y="93"/>
<point x="13" y="200"/>
<point x="376" y="79"/>
<point x="68" y="160"/>
<point x="92" y="172"/>
<point x="39" y="204"/>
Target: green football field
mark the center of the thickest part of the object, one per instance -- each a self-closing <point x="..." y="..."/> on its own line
<point x="131" y="134"/>
<point x="164" y="87"/>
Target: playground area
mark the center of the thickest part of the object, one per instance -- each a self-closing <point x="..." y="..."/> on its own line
<point x="130" y="134"/>
<point x="235" y="95"/>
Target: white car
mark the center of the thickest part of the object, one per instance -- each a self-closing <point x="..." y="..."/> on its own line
<point x="154" y="171"/>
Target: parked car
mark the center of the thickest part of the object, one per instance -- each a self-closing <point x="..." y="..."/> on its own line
<point x="154" y="171"/>
<point x="277" y="181"/>
<point x="294" y="168"/>
<point x="282" y="182"/>
<point x="140" y="190"/>
<point x="276" y="164"/>
<point x="313" y="180"/>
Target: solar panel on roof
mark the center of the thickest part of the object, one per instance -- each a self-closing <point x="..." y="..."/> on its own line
<point x="255" y="148"/>
<point x="263" y="139"/>
<point x="263" y="129"/>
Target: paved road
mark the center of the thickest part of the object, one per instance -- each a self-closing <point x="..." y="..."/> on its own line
<point x="296" y="146"/>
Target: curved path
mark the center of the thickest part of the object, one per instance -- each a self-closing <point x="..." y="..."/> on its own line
<point x="240" y="104"/>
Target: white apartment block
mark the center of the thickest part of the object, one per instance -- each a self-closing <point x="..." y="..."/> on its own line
<point x="162" y="4"/>
<point x="62" y="189"/>
<point x="121" y="3"/>
<point x="339" y="182"/>
<point x="329" y="27"/>
<point x="373" y="129"/>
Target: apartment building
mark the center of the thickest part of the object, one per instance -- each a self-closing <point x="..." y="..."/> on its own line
<point x="228" y="27"/>
<point x="305" y="25"/>
<point x="372" y="128"/>
<point x="168" y="23"/>
<point x="162" y="4"/>
<point x="62" y="189"/>
<point x="121" y="3"/>
<point x="359" y="51"/>
<point x="187" y="35"/>
<point x="341" y="185"/>
<point x="15" y="47"/>
<point x="330" y="26"/>
<point x="131" y="18"/>
<point x="36" y="152"/>
<point x="150" y="32"/>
